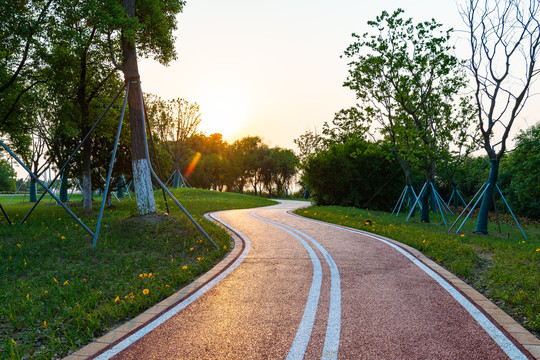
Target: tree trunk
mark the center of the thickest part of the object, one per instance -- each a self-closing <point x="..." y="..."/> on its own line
<point x="63" y="189"/>
<point x="87" y="176"/>
<point x="456" y="194"/>
<point x="487" y="200"/>
<point x="33" y="190"/>
<point x="425" y="203"/>
<point x="176" y="178"/>
<point x="142" y="181"/>
<point x="108" y="199"/>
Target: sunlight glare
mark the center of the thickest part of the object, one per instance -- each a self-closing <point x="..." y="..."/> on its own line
<point x="224" y="113"/>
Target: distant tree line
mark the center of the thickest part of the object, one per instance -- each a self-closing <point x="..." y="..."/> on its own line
<point x="209" y="162"/>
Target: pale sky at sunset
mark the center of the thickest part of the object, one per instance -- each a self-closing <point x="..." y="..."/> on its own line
<point x="272" y="68"/>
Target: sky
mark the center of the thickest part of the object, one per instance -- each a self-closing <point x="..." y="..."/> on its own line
<point x="272" y="69"/>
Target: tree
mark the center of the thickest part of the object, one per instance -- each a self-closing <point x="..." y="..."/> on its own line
<point x="21" y="66"/>
<point x="407" y="81"/>
<point x="245" y="155"/>
<point x="524" y="173"/>
<point x="351" y="173"/>
<point x="286" y="163"/>
<point x="36" y="162"/>
<point x="80" y="87"/>
<point x="146" y="25"/>
<point x="7" y="176"/>
<point x="174" y="122"/>
<point x="504" y="42"/>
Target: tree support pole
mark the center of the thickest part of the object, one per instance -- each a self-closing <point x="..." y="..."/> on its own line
<point x="20" y="186"/>
<point x="159" y="181"/>
<point x="467" y="205"/>
<point x="472" y="209"/>
<point x="511" y="212"/>
<point x="46" y="189"/>
<point x="75" y="151"/>
<point x="438" y="202"/>
<point x="6" y="215"/>
<point x="109" y="174"/>
<point x="416" y="201"/>
<point x="400" y="201"/>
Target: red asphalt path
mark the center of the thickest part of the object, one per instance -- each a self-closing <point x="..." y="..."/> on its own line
<point x="389" y="307"/>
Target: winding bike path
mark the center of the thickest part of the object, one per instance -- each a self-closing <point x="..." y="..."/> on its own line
<point x="304" y="289"/>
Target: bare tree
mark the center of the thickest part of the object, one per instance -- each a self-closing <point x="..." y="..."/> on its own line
<point x="175" y="121"/>
<point x="36" y="163"/>
<point x="504" y="40"/>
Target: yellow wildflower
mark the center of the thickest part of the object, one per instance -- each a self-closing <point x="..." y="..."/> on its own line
<point x="184" y="267"/>
<point x="63" y="237"/>
<point x="145" y="291"/>
<point x="56" y="281"/>
<point x="45" y="324"/>
<point x="27" y="296"/>
<point x="66" y="283"/>
<point x="190" y="249"/>
<point x="19" y="245"/>
<point x="117" y="299"/>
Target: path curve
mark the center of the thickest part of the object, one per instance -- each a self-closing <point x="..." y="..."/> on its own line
<point x="303" y="289"/>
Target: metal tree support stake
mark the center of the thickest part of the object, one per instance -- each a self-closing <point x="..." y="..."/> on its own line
<point x="75" y="151"/>
<point x="111" y="166"/>
<point x="159" y="181"/>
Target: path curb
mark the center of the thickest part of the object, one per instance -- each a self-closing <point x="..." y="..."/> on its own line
<point x="511" y="326"/>
<point x="97" y="346"/>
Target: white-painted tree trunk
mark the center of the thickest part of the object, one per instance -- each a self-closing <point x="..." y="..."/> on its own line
<point x="144" y="192"/>
<point x="87" y="192"/>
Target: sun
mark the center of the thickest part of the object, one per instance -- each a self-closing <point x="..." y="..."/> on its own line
<point x="223" y="112"/>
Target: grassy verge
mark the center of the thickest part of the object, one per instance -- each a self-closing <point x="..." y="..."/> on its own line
<point x="58" y="295"/>
<point x="504" y="267"/>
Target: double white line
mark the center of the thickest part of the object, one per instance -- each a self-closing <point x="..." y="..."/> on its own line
<point x="333" y="328"/>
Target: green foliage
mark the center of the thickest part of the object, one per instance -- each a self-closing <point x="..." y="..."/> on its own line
<point x="7" y="176"/>
<point x="355" y="173"/>
<point x="520" y="174"/>
<point x="408" y="85"/>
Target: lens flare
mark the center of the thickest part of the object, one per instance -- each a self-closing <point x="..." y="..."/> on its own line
<point x="193" y="164"/>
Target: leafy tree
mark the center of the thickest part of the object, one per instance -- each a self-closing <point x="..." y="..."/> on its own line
<point x="7" y="176"/>
<point x="504" y="40"/>
<point x="245" y="156"/>
<point x="407" y="82"/>
<point x="21" y="66"/>
<point x="523" y="172"/>
<point x="147" y="26"/>
<point x="286" y="163"/>
<point x="352" y="174"/>
<point x="80" y="88"/>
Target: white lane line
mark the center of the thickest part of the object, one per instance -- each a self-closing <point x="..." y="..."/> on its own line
<point x="333" y="327"/>
<point x="167" y="315"/>
<point x="504" y="343"/>
<point x="303" y="334"/>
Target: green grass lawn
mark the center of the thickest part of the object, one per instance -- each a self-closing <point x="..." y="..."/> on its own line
<point x="504" y="267"/>
<point x="57" y="294"/>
